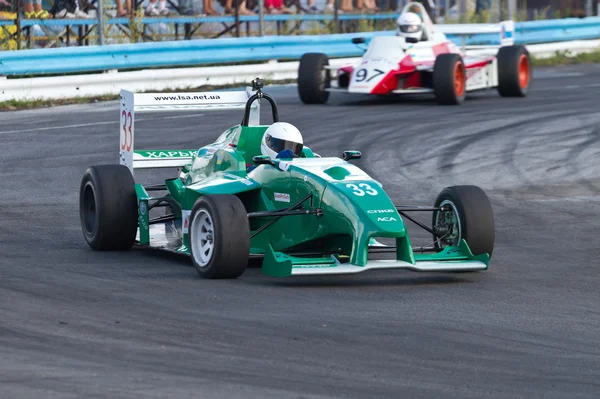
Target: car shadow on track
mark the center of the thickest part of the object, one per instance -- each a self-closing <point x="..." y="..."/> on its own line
<point x="374" y="278"/>
<point x="413" y="99"/>
<point x="172" y="257"/>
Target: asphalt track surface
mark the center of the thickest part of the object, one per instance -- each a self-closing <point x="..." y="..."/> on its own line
<point x="78" y="323"/>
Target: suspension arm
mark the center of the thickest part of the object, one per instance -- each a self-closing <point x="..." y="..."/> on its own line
<point x="410" y="208"/>
<point x="421" y="225"/>
<point x="279" y="215"/>
<point x="316" y="211"/>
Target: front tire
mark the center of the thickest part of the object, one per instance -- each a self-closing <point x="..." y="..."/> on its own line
<point x="469" y="217"/>
<point x="219" y="236"/>
<point x="313" y="78"/>
<point x="449" y="79"/>
<point x="108" y="207"/>
<point x="514" y="71"/>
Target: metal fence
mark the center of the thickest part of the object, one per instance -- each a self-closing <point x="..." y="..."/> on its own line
<point x="17" y="32"/>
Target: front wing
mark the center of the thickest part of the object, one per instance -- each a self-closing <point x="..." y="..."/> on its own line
<point x="424" y="266"/>
<point x="450" y="259"/>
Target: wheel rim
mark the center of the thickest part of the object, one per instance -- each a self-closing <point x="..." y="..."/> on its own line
<point x="448" y="222"/>
<point x="89" y="208"/>
<point x="203" y="241"/>
<point x="459" y="79"/>
<point x="524" y="74"/>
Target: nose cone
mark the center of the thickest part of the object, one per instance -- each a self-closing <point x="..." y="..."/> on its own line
<point x="364" y="206"/>
<point x="370" y="74"/>
<point x="386" y="219"/>
<point x="362" y="210"/>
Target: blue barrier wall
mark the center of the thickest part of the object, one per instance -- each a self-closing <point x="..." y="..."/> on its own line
<point x="231" y="50"/>
<point x="557" y="30"/>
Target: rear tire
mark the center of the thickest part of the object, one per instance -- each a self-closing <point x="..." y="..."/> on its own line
<point x="475" y="218"/>
<point x="313" y="78"/>
<point x="219" y="236"/>
<point x="514" y="71"/>
<point x="108" y="207"/>
<point x="449" y="79"/>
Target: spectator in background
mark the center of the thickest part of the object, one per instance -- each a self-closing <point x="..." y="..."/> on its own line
<point x="190" y="7"/>
<point x="154" y="10"/>
<point x="207" y="7"/>
<point x="310" y="4"/>
<point x="33" y="9"/>
<point x="345" y="6"/>
<point x="329" y="7"/>
<point x="369" y="5"/>
<point x="366" y="6"/>
<point x="67" y="9"/>
<point x="276" y="7"/>
<point x="242" y="10"/>
<point x="5" y="11"/>
<point x="121" y="10"/>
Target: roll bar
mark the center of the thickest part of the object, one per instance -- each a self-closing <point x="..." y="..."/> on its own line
<point x="257" y="85"/>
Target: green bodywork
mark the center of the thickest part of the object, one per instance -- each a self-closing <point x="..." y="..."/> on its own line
<point x="355" y="208"/>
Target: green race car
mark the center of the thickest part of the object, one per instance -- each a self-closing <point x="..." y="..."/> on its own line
<point x="302" y="216"/>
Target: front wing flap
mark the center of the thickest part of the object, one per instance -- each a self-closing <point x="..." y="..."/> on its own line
<point x="450" y="259"/>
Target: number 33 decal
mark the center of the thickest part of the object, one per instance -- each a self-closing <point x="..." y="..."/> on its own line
<point x="126" y="144"/>
<point x="359" y="192"/>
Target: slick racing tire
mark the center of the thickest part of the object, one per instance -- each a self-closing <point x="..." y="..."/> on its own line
<point x="469" y="217"/>
<point x="219" y="236"/>
<point x="108" y="207"/>
<point x="313" y="78"/>
<point x="514" y="71"/>
<point x="449" y="79"/>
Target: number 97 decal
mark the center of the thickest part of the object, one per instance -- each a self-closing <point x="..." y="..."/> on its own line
<point x="362" y="189"/>
<point x="362" y="74"/>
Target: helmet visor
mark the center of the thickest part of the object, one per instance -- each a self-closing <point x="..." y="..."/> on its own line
<point x="279" y="145"/>
<point x="410" y="28"/>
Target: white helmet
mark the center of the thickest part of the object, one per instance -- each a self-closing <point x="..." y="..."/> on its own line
<point x="281" y="136"/>
<point x="409" y="25"/>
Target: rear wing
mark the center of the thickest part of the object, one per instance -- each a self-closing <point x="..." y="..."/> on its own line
<point x="505" y="30"/>
<point x="135" y="103"/>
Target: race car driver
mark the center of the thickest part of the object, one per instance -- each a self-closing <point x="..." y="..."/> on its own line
<point x="410" y="26"/>
<point x="280" y="140"/>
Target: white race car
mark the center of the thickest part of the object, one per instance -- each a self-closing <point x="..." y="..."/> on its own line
<point x="394" y="65"/>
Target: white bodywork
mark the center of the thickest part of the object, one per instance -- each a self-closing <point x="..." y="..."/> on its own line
<point x="385" y="53"/>
<point x="424" y="266"/>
